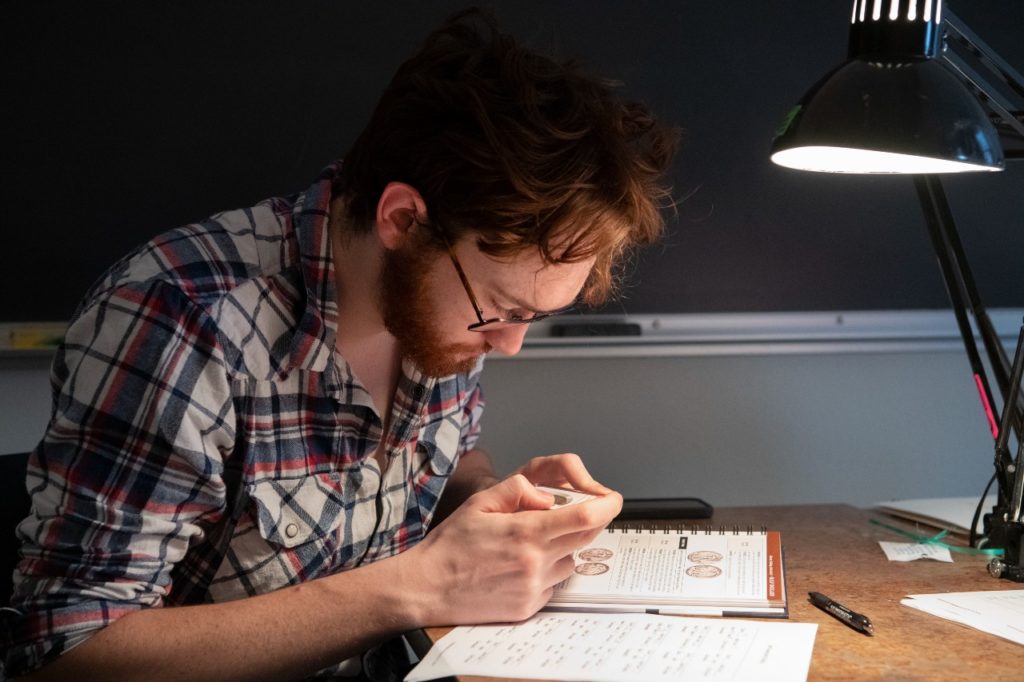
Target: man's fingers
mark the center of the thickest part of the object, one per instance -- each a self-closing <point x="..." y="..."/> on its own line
<point x="561" y="569"/>
<point x="577" y="476"/>
<point x="589" y="515"/>
<point x="570" y="542"/>
<point x="566" y="468"/>
<point x="513" y="494"/>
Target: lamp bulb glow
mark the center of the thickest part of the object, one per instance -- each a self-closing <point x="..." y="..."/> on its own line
<point x="849" y="160"/>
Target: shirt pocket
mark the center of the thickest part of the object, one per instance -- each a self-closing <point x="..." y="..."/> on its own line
<point x="291" y="534"/>
<point x="296" y="511"/>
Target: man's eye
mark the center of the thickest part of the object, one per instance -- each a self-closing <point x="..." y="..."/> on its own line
<point x="518" y="315"/>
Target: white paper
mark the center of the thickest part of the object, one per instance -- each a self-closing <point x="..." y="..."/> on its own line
<point x="999" y="612"/>
<point x="636" y="647"/>
<point x="909" y="551"/>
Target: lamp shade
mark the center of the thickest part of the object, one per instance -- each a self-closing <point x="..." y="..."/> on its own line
<point x="892" y="108"/>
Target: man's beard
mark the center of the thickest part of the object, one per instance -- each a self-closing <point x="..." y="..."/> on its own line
<point x="411" y="317"/>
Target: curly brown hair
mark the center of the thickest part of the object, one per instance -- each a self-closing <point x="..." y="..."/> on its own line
<point x="517" y="149"/>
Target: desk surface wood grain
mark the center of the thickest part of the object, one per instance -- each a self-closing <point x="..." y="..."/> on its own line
<point x="834" y="549"/>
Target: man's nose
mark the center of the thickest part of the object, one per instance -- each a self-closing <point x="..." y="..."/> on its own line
<point x="508" y="340"/>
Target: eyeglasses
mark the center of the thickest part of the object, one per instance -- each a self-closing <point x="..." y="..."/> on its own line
<point x="487" y="324"/>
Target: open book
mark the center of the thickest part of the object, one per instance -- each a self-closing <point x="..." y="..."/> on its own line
<point x="674" y="570"/>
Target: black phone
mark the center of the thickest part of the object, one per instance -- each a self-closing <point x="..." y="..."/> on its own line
<point x="665" y="508"/>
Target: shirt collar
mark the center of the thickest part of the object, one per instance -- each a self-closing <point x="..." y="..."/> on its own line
<point x="313" y="344"/>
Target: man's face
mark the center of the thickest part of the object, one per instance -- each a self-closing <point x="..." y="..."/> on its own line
<point x="412" y="317"/>
<point x="426" y="308"/>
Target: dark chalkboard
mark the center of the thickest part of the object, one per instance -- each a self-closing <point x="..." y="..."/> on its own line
<point x="129" y="118"/>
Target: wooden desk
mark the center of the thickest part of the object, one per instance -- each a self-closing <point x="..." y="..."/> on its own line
<point x="833" y="549"/>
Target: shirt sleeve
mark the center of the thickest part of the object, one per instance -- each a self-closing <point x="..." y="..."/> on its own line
<point x="129" y="472"/>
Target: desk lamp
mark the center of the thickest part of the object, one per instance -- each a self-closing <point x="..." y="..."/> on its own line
<point x="921" y="94"/>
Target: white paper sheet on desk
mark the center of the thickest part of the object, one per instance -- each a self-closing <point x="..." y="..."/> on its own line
<point x="636" y="647"/>
<point x="999" y="612"/>
<point x="911" y="551"/>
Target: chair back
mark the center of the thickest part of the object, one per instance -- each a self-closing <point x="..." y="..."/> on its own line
<point x="14" y="507"/>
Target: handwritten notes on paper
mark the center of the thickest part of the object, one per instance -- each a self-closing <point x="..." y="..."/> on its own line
<point x="606" y="647"/>
<point x="909" y="551"/>
<point x="997" y="612"/>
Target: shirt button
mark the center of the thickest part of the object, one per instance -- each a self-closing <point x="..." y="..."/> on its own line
<point x="418" y="392"/>
<point x="291" y="530"/>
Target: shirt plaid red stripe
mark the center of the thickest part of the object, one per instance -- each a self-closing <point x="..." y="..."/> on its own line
<point x="208" y="443"/>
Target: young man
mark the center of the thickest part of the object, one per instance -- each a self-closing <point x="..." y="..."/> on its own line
<point x="258" y="417"/>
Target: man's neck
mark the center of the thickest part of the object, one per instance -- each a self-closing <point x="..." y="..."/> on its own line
<point x="362" y="339"/>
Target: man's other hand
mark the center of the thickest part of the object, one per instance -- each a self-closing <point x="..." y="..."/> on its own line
<point x="498" y="556"/>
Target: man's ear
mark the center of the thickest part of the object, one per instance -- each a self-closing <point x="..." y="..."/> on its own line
<point x="398" y="209"/>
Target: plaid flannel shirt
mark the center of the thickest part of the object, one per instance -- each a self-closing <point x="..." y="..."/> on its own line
<point x="208" y="442"/>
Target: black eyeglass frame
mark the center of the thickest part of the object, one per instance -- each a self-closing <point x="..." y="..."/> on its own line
<point x="486" y="324"/>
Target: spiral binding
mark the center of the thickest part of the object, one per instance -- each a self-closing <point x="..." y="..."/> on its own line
<point x="670" y="528"/>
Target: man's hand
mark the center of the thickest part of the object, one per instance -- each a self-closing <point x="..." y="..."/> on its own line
<point x="499" y="555"/>
<point x="560" y="470"/>
<point x="474" y="473"/>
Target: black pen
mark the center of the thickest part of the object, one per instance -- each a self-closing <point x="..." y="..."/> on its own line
<point x="854" y="620"/>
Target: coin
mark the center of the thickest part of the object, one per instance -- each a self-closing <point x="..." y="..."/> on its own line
<point x="703" y="571"/>
<point x="704" y="556"/>
<point x="595" y="554"/>
<point x="592" y="568"/>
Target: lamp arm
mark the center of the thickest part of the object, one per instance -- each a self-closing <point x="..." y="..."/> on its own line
<point x="1000" y="101"/>
<point x="1000" y="88"/>
<point x="1016" y="514"/>
<point x="964" y="297"/>
<point x="1004" y="526"/>
<point x="1016" y="488"/>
